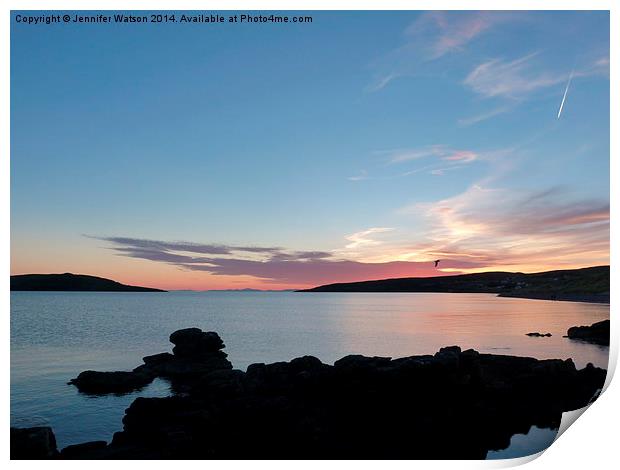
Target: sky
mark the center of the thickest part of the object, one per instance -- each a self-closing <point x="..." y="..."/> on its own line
<point x="363" y="145"/>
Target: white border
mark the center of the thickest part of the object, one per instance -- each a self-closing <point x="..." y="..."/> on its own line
<point x="590" y="443"/>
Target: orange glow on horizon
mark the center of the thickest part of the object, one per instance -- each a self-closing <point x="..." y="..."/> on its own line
<point x="171" y="278"/>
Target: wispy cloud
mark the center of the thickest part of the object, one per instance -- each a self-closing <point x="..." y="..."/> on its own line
<point x="470" y="121"/>
<point x="363" y="238"/>
<point x="442" y="171"/>
<point x="361" y="176"/>
<point x="451" y="31"/>
<point x="480" y="229"/>
<point x="275" y="265"/>
<point x="598" y="66"/>
<point x="317" y="272"/>
<point x="407" y="155"/>
<point x="463" y="156"/>
<point x="512" y="79"/>
<point x="518" y="78"/>
<point x="432" y="36"/>
<point x="601" y="65"/>
<point x="203" y="248"/>
<point x="518" y="230"/>
<point x="382" y="82"/>
<point x="441" y="152"/>
<point x="436" y="157"/>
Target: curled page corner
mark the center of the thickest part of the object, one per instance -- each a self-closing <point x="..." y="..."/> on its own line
<point x="513" y="462"/>
<point x="613" y="354"/>
<point x="526" y="459"/>
<point x="569" y="417"/>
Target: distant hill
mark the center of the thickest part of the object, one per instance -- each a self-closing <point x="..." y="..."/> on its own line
<point x="586" y="284"/>
<point x="71" y="282"/>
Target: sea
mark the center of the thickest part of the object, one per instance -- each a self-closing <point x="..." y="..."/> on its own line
<point x="56" y="335"/>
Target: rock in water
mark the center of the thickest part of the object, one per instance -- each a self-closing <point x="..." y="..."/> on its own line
<point x="196" y="353"/>
<point x="33" y="443"/>
<point x="94" y="382"/>
<point x="596" y="333"/>
<point x="361" y="407"/>
<point x="191" y="342"/>
<point x="538" y="335"/>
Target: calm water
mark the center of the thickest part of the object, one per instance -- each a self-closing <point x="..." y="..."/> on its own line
<point x="56" y="335"/>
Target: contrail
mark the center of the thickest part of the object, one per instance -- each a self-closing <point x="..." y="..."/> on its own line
<point x="570" y="77"/>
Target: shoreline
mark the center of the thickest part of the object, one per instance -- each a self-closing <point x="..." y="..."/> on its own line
<point x="359" y="407"/>
<point x="578" y="285"/>
<point x="585" y="298"/>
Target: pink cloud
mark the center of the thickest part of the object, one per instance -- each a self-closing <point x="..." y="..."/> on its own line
<point x="515" y="230"/>
<point x="454" y="35"/>
<point x="277" y="266"/>
<point x="463" y="156"/>
<point x="432" y="36"/>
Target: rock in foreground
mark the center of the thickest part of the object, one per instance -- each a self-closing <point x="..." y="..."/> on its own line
<point x="195" y="353"/>
<point x="33" y="443"/>
<point x="596" y="333"/>
<point x="453" y="404"/>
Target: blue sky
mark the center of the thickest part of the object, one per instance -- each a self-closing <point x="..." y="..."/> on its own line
<point x="377" y="141"/>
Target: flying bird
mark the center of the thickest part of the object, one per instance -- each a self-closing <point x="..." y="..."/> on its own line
<point x="570" y="77"/>
<point x="437" y="262"/>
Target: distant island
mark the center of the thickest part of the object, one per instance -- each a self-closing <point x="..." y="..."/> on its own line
<point x="71" y="282"/>
<point x="579" y="285"/>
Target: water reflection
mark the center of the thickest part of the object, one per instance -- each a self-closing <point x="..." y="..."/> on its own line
<point x="522" y="445"/>
<point x="56" y="335"/>
<point x="421" y="323"/>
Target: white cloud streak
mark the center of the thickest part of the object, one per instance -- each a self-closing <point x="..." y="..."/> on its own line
<point x="470" y="121"/>
<point x="441" y="152"/>
<point x="514" y="79"/>
<point x="432" y="36"/>
<point x="364" y="239"/>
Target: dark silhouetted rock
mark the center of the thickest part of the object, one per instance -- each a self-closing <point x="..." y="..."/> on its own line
<point x="157" y="359"/>
<point x="356" y="362"/>
<point x="361" y="407"/>
<point x="449" y="356"/>
<point x="596" y="333"/>
<point x="79" y="451"/>
<point x="196" y="353"/>
<point x="194" y="342"/>
<point x="306" y="363"/>
<point x="186" y="367"/>
<point x="227" y="382"/>
<point x="94" y="382"/>
<point x="33" y="443"/>
<point x="538" y="335"/>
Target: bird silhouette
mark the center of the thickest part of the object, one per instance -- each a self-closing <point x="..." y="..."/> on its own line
<point x="437" y="262"/>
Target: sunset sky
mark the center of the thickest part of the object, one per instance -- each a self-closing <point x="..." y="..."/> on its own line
<point x="360" y="146"/>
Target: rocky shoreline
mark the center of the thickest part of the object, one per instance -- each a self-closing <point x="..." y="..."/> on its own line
<point x="451" y="405"/>
<point x="597" y="333"/>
